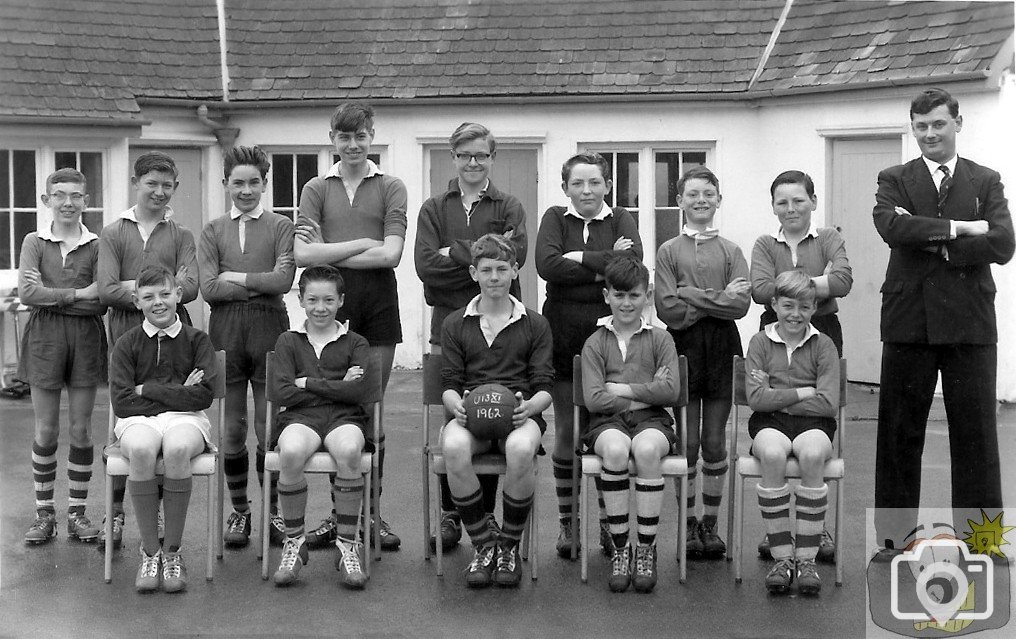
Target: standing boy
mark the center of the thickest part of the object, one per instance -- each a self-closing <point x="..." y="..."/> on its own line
<point x="64" y="345"/>
<point x="144" y="235"/>
<point x="447" y="227"/>
<point x="161" y="378"/>
<point x="354" y="218"/>
<point x="319" y="376"/>
<point x="495" y="340"/>
<point x="629" y="377"/>
<point x="946" y="221"/>
<point x="246" y="266"/>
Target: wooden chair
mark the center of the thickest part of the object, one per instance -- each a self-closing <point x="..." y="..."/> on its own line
<point x="748" y="466"/>
<point x="322" y="463"/>
<point x="205" y="464"/>
<point x="433" y="462"/>
<point x="591" y="465"/>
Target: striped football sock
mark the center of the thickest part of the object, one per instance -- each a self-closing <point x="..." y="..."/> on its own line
<point x="810" y="507"/>
<point x="293" y="503"/>
<point x="615" y="484"/>
<point x="713" y="476"/>
<point x="775" y="506"/>
<point x="648" y="502"/>
<point x="44" y="476"/>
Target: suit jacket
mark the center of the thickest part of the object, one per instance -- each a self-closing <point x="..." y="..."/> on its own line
<point x="941" y="297"/>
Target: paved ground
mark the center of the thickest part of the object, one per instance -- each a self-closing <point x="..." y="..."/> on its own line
<point x="57" y="590"/>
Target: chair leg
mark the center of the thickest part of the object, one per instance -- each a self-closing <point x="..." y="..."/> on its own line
<point x="108" y="556"/>
<point x="839" y="531"/>
<point x="584" y="519"/>
<point x="210" y="569"/>
<point x="534" y="526"/>
<point x="426" y="504"/>
<point x="265" y="496"/>
<point x="438" y="547"/>
<point x="527" y="538"/>
<point x="682" y="529"/>
<point x="731" y="477"/>
<point x="739" y="536"/>
<point x="576" y="492"/>
<point x="221" y="490"/>
<point x="375" y="499"/>
<point x="368" y="499"/>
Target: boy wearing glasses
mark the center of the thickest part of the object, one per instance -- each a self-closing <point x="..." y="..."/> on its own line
<point x="64" y="345"/>
<point x="354" y="218"/>
<point x="448" y="225"/>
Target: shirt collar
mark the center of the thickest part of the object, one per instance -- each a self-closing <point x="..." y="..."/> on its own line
<point x="604" y="213"/>
<point x="131" y="214"/>
<point x="780" y="237"/>
<point x="235" y="213"/>
<point x="933" y="165"/>
<point x="700" y="236"/>
<point x="608" y="323"/>
<point x="46" y="233"/>
<point x="336" y="170"/>
<point x="772" y="334"/>
<point x="172" y="331"/>
<point x="342" y="329"/>
<point x="518" y="308"/>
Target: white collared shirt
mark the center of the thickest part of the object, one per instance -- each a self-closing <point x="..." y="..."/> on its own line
<point x="781" y="237"/>
<point x="66" y="248"/>
<point x="605" y="212"/>
<point x="336" y="172"/>
<point x="700" y="236"/>
<point x="622" y="344"/>
<point x="131" y="214"/>
<point x="235" y="213"/>
<point x="772" y="334"/>
<point x="479" y="196"/>
<point x="936" y="175"/>
<point x="489" y="334"/>
<point x="341" y="328"/>
<point x="170" y="331"/>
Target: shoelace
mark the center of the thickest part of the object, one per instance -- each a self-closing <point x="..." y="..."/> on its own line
<point x="81" y="522"/>
<point x="622" y="559"/>
<point x="784" y="567"/>
<point x="482" y="558"/>
<point x="826" y="539"/>
<point x="383" y="528"/>
<point x="506" y="560"/>
<point x="150" y="566"/>
<point x="350" y="557"/>
<point x="327" y="525"/>
<point x="806" y="569"/>
<point x="41" y="523"/>
<point x="172" y="566"/>
<point x="236" y="523"/>
<point x="290" y="554"/>
<point x="643" y="559"/>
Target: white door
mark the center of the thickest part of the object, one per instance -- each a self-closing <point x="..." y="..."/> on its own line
<point x="186" y="204"/>
<point x="854" y="180"/>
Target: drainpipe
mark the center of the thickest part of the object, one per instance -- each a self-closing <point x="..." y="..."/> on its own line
<point x="226" y="136"/>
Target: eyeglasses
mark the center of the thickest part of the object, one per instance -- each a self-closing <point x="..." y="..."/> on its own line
<point x="480" y="158"/>
<point x="60" y="197"/>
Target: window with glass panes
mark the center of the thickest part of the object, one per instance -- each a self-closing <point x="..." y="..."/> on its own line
<point x="667" y="167"/>
<point x="90" y="164"/>
<point x="290" y="172"/>
<point x="18" y="204"/>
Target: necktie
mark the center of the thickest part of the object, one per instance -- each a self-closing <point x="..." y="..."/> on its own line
<point x="943" y="188"/>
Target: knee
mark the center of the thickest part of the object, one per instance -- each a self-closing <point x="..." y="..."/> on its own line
<point x="176" y="454"/>
<point x="347" y="457"/>
<point x="713" y="448"/>
<point x="80" y="435"/>
<point x="291" y="459"/>
<point x="47" y="433"/>
<point x="646" y="457"/>
<point x="518" y="454"/>
<point x="615" y="456"/>
<point x="143" y="458"/>
<point x="812" y="462"/>
<point x="456" y="451"/>
<point x="771" y="456"/>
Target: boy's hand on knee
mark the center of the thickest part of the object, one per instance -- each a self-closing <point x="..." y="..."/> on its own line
<point x="194" y="378"/>
<point x="522" y="412"/>
<point x="459" y="410"/>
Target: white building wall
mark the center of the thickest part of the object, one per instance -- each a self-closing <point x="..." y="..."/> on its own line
<point x="752" y="142"/>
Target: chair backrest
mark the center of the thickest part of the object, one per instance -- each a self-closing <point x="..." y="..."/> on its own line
<point x="432" y="387"/>
<point x="578" y="398"/>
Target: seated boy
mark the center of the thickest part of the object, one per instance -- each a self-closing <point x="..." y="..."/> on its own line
<point x="629" y="373"/>
<point x="793" y="386"/>
<point x="495" y="340"/>
<point x="160" y="380"/>
<point x="319" y="379"/>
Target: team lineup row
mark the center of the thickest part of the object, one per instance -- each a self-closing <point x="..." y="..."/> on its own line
<point x="470" y="243"/>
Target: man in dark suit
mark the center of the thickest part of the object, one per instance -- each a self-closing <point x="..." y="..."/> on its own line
<point x="946" y="220"/>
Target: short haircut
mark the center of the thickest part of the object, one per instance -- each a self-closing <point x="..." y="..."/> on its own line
<point x="626" y="273"/>
<point x="585" y="158"/>
<point x="929" y="99"/>
<point x="352" y="116"/>
<point x="700" y="173"/>
<point x="469" y="131"/>
<point x="322" y="273"/>
<point x="795" y="285"/>
<point x="156" y="275"/>
<point x="72" y="176"/>
<point x="793" y="177"/>
<point x="245" y="156"/>
<point x="492" y="246"/>
<point x="154" y="161"/>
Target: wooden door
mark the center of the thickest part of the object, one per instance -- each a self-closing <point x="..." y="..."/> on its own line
<point x="854" y="180"/>
<point x="515" y="172"/>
